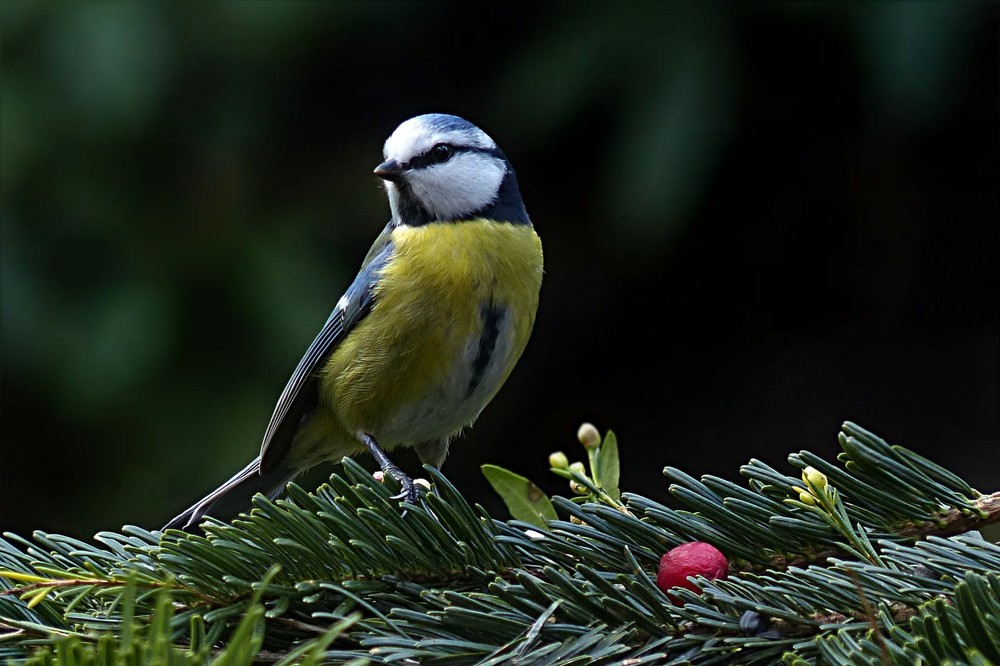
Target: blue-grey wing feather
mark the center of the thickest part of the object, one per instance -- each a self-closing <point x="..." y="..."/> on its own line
<point x="301" y="394"/>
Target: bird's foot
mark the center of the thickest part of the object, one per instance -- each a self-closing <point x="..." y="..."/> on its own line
<point x="409" y="488"/>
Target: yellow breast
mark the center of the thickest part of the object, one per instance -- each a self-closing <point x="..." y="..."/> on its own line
<point x="407" y="372"/>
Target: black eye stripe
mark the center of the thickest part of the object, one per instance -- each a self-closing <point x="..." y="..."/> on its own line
<point x="426" y="159"/>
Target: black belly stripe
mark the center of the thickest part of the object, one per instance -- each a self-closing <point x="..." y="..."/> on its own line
<point x="492" y="315"/>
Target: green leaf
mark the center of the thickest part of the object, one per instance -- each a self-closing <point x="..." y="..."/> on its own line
<point x="609" y="466"/>
<point x="524" y="500"/>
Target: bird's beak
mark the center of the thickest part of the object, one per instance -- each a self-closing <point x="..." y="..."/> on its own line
<point x="389" y="170"/>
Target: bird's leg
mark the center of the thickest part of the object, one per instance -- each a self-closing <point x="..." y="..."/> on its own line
<point x="409" y="489"/>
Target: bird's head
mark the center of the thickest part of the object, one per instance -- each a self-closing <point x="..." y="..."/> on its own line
<point x="441" y="168"/>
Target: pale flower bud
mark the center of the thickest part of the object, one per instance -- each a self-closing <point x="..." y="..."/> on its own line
<point x="589" y="436"/>
<point x="804" y="496"/>
<point x="815" y="478"/>
<point x="558" y="460"/>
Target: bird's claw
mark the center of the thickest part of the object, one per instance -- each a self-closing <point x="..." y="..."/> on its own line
<point x="409" y="490"/>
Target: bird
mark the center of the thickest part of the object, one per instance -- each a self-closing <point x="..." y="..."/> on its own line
<point x="429" y="330"/>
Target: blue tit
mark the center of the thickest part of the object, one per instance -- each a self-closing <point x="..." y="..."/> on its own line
<point x="427" y="333"/>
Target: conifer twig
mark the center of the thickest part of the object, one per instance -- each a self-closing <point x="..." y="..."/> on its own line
<point x="951" y="523"/>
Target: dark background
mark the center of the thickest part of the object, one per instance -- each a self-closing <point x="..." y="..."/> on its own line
<point x="759" y="220"/>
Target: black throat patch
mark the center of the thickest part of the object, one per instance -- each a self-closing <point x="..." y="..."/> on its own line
<point x="409" y="209"/>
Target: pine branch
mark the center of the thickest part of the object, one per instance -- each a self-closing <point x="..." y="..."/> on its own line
<point x="986" y="511"/>
<point x="843" y="560"/>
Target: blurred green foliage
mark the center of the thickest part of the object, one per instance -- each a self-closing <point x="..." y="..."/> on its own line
<point x="185" y="193"/>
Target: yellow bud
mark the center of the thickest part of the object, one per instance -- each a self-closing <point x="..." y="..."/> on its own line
<point x="806" y="498"/>
<point x="588" y="436"/>
<point x="578" y="468"/>
<point x="814" y="478"/>
<point x="578" y="488"/>
<point x="558" y="460"/>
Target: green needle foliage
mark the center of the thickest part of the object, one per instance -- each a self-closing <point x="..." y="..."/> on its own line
<point x="861" y="562"/>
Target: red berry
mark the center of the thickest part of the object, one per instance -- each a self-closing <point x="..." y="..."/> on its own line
<point x="690" y="559"/>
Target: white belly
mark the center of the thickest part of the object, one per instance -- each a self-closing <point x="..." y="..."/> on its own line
<point x="461" y="393"/>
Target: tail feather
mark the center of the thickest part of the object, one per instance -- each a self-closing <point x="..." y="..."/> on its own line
<point x="232" y="497"/>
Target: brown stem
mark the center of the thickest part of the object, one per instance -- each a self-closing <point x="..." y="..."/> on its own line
<point x="900" y="615"/>
<point x="953" y="522"/>
<point x="298" y="624"/>
<point x="76" y="582"/>
<point x="54" y="584"/>
<point x="957" y="522"/>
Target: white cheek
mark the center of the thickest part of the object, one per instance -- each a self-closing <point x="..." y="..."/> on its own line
<point x="459" y="187"/>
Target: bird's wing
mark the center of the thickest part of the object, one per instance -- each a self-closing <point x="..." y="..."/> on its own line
<point x="301" y="394"/>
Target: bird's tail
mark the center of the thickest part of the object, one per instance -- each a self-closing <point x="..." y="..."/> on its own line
<point x="233" y="496"/>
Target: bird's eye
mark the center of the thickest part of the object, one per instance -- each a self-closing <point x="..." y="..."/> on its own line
<point x="441" y="153"/>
